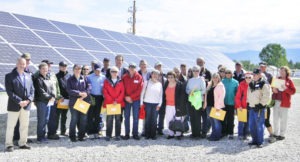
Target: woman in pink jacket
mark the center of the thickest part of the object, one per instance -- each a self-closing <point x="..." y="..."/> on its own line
<point x="214" y="97"/>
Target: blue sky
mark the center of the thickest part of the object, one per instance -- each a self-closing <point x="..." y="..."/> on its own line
<point x="228" y="26"/>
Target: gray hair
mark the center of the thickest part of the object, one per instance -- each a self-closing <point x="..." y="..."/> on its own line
<point x="196" y="68"/>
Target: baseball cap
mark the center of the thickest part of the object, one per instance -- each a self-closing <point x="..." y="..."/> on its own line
<point x="97" y="67"/>
<point x="47" y="61"/>
<point x="256" y="71"/>
<point x="132" y="64"/>
<point x="263" y="63"/>
<point x="26" y="56"/>
<point x="157" y="64"/>
<point x="63" y="63"/>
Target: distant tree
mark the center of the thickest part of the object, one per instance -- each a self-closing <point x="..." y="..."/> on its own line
<point x="274" y="54"/>
<point x="297" y="65"/>
<point x="291" y="64"/>
<point x="247" y="65"/>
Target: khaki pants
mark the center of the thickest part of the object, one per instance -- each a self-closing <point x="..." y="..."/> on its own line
<point x="280" y="117"/>
<point x="12" y="118"/>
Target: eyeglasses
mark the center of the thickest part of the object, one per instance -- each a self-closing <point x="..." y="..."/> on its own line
<point x="195" y="70"/>
<point x="113" y="71"/>
<point x="247" y="77"/>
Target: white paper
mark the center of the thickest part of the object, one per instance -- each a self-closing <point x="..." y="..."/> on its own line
<point x="65" y="102"/>
<point x="51" y="103"/>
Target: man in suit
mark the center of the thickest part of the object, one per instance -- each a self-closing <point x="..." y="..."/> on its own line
<point x="119" y="59"/>
<point x="20" y="91"/>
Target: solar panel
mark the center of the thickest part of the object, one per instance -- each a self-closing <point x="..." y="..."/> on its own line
<point x="23" y="36"/>
<point x="69" y="28"/>
<point x="8" y="55"/>
<point x="4" y="69"/>
<point x="152" y="42"/>
<point x="97" y="33"/>
<point x="58" y="40"/>
<point x="40" y="53"/>
<point x="118" y="36"/>
<point x="114" y="46"/>
<point x="37" y="23"/>
<point x="136" y="39"/>
<point x="77" y="56"/>
<point x="101" y="55"/>
<point x="89" y="43"/>
<point x="136" y="49"/>
<point x="8" y="19"/>
<point x="152" y="50"/>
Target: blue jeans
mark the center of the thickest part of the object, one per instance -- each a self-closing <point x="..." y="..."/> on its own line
<point x="77" y="118"/>
<point x="136" y="109"/>
<point x="216" y="126"/>
<point x="52" y="123"/>
<point x="43" y="113"/>
<point x="206" y="123"/>
<point x="151" y="119"/>
<point x="256" y="124"/>
<point x="161" y="118"/>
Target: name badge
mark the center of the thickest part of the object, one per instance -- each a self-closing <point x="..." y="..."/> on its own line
<point x="81" y="80"/>
<point x="135" y="81"/>
<point x="257" y="85"/>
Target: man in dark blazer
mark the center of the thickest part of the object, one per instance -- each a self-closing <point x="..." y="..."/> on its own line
<point x="119" y="59"/>
<point x="20" y="91"/>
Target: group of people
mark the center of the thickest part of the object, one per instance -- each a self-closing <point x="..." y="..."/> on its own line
<point x="182" y="94"/>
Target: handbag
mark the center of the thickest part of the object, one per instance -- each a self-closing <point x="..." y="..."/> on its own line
<point x="176" y="125"/>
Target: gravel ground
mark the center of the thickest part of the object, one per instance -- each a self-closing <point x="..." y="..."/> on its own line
<point x="165" y="150"/>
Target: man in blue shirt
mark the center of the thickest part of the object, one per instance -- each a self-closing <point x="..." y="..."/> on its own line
<point x="96" y="81"/>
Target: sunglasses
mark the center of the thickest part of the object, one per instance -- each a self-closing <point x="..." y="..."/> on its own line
<point x="113" y="71"/>
<point x="86" y="69"/>
<point x="228" y="73"/>
<point x="221" y="71"/>
<point x="247" y="77"/>
<point x="195" y="70"/>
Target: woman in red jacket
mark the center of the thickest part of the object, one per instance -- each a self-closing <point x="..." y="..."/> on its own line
<point x="241" y="103"/>
<point x="282" y="97"/>
<point x="114" y="93"/>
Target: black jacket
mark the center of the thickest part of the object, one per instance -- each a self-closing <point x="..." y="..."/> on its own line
<point x="239" y="77"/>
<point x="62" y="82"/>
<point x="124" y="71"/>
<point x="206" y="74"/>
<point x="74" y="87"/>
<point x="17" y="92"/>
<point x="180" y="98"/>
<point x="44" y="89"/>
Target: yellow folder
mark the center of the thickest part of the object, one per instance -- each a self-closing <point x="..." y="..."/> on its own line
<point x="220" y="115"/>
<point x="103" y="110"/>
<point x="113" y="109"/>
<point x="63" y="105"/>
<point x="242" y="115"/>
<point x="81" y="106"/>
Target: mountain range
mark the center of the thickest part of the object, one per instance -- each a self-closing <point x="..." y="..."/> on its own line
<point x="253" y="56"/>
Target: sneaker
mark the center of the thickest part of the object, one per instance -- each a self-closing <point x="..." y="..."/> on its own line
<point x="230" y="137"/>
<point x="117" y="138"/>
<point x="53" y="137"/>
<point x="272" y="139"/>
<point x="9" y="149"/>
<point x="81" y="139"/>
<point x="178" y="138"/>
<point x="42" y="141"/>
<point x="160" y="132"/>
<point x="126" y="137"/>
<point x="259" y="146"/>
<point x="136" y="137"/>
<point x="73" y="139"/>
<point x="25" y="147"/>
<point x="107" y="139"/>
<point x="279" y="138"/>
<point x="170" y="137"/>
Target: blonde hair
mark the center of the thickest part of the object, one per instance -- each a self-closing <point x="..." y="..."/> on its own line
<point x="215" y="75"/>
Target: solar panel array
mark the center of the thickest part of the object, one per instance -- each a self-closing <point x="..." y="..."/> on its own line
<point x="59" y="41"/>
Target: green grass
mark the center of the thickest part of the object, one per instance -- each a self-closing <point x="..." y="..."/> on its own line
<point x="297" y="84"/>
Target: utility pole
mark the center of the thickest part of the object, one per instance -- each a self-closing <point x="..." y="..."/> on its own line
<point x="132" y="19"/>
